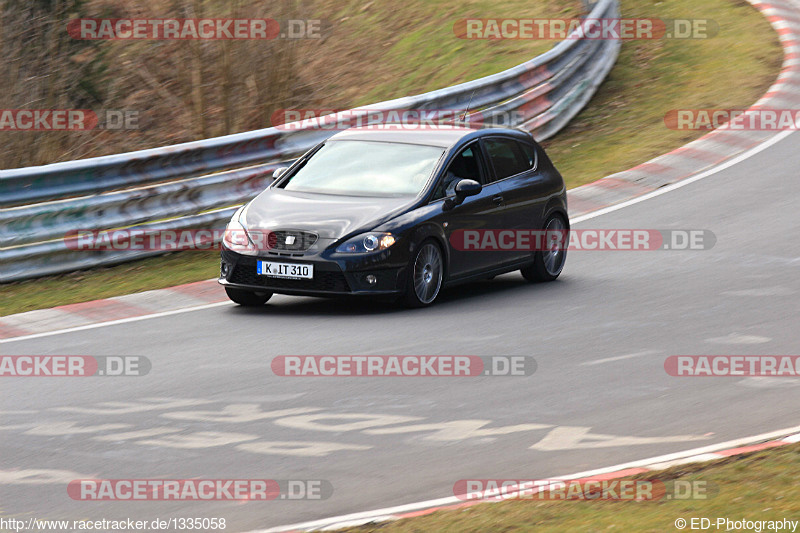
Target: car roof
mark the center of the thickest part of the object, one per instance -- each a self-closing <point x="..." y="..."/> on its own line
<point x="442" y="136"/>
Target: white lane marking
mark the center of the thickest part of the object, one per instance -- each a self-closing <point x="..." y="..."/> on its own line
<point x="458" y="430"/>
<point x="663" y="190"/>
<point x="735" y="338"/>
<point x="617" y="358"/>
<point x="763" y="291"/>
<point x="581" y="438"/>
<point x="367" y="516"/>
<point x="114" y="322"/>
<point x="237" y="414"/>
<point x="39" y="476"/>
<point x="357" y="421"/>
<point x="58" y="429"/>
<point x="686" y="460"/>
<point x="138" y="434"/>
<point x="198" y="440"/>
<point x="299" y="448"/>
<point x="115" y="408"/>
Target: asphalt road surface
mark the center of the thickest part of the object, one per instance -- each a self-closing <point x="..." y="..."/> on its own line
<point x="212" y="408"/>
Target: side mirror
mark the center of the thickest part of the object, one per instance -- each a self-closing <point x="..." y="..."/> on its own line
<point x="464" y="188"/>
<point x="280" y="171"/>
<point x="467" y="187"/>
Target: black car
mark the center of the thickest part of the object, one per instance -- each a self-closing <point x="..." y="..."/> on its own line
<point x="375" y="212"/>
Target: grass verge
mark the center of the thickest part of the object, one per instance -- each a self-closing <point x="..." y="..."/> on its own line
<point x="759" y="486"/>
<point x="385" y="49"/>
<point x="146" y="274"/>
<point x="624" y="123"/>
<point x="622" y="126"/>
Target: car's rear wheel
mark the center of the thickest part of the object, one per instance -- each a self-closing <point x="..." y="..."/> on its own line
<point x="425" y="275"/>
<point x="248" y="298"/>
<point x="549" y="262"/>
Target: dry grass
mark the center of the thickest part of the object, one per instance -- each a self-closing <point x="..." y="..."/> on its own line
<point x="187" y="90"/>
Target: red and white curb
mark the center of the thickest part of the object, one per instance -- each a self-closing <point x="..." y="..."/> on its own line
<point x="716" y="147"/>
<point x="120" y="309"/>
<point x="698" y="455"/>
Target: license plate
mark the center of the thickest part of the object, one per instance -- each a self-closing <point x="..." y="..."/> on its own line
<point x="285" y="270"/>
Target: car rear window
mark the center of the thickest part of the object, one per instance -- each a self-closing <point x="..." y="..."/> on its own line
<point x="509" y="157"/>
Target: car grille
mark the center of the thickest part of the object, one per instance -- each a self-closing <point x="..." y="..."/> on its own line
<point x="277" y="240"/>
<point x="328" y="281"/>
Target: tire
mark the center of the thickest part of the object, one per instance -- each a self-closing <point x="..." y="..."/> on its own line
<point x="248" y="298"/>
<point x="425" y="275"/>
<point x="548" y="264"/>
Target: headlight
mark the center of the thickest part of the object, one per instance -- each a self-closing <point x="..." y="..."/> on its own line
<point x="236" y="238"/>
<point x="368" y="242"/>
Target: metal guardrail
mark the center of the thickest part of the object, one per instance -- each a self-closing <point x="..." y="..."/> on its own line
<point x="192" y="185"/>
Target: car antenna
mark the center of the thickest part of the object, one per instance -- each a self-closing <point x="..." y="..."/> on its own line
<point x="464" y="115"/>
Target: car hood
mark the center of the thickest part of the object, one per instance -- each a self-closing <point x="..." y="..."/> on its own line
<point x="329" y="216"/>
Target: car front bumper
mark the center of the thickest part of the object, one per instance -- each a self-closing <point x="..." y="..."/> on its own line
<point x="332" y="276"/>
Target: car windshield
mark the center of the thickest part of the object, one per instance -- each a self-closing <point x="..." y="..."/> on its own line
<point x="366" y="168"/>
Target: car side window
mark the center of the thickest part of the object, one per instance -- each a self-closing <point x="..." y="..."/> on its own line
<point x="508" y="157"/>
<point x="531" y="158"/>
<point x="466" y="165"/>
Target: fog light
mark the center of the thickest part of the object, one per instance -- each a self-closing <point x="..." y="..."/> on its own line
<point x="371" y="279"/>
<point x="224" y="270"/>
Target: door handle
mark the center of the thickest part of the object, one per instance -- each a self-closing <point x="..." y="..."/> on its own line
<point x="498" y="200"/>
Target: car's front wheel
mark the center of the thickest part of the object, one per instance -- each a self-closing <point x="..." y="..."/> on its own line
<point x="248" y="298"/>
<point x="549" y="262"/>
<point x="425" y="275"/>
